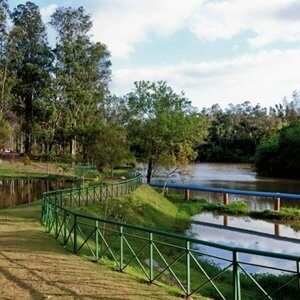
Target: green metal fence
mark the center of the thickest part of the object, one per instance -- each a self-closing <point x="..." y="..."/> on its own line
<point x="165" y="257"/>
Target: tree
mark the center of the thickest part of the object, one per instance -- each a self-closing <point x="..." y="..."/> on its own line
<point x="32" y="64"/>
<point x="4" y="60"/>
<point x="280" y="156"/>
<point x="5" y="131"/>
<point x="106" y="145"/>
<point x="82" y="71"/>
<point x="161" y="124"/>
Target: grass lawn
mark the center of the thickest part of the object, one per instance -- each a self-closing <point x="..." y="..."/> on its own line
<point x="33" y="265"/>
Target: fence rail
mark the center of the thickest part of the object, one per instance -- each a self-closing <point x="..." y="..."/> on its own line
<point x="162" y="256"/>
<point x="187" y="188"/>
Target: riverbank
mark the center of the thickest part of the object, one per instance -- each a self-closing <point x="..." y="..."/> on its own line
<point x="148" y="207"/>
<point x="240" y="208"/>
<point x="35" y="170"/>
<point x="54" y="272"/>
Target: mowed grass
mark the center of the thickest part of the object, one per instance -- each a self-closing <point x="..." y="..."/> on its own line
<point x="33" y="265"/>
<point x="143" y="207"/>
<point x="34" y="170"/>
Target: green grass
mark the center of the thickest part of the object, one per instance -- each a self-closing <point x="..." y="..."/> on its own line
<point x="143" y="207"/>
<point x="25" y="211"/>
<point x="34" y="265"/>
<point x="195" y="206"/>
<point x="285" y="214"/>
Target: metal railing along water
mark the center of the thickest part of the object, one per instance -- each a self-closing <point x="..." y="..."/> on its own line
<point x="166" y="257"/>
<point x="226" y="192"/>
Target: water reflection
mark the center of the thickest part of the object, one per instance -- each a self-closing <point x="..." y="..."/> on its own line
<point x="235" y="176"/>
<point x="227" y="231"/>
<point x="20" y="191"/>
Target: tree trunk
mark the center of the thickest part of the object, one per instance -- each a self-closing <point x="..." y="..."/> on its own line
<point x="73" y="148"/>
<point x="28" y="123"/>
<point x="150" y="170"/>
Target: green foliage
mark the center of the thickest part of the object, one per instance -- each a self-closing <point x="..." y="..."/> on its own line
<point x="163" y="126"/>
<point x="280" y="156"/>
<point x="33" y="62"/>
<point x="26" y="160"/>
<point x="82" y="69"/>
<point x="57" y="101"/>
<point x="5" y="131"/>
<point x="235" y="132"/>
<point x="285" y="214"/>
<point x="236" y="207"/>
<point x="106" y="145"/>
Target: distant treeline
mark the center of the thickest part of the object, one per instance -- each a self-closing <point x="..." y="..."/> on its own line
<point x="234" y="133"/>
<point x="55" y="103"/>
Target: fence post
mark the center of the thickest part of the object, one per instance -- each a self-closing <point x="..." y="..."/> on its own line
<point x="236" y="277"/>
<point x="97" y="240"/>
<point x="121" y="249"/>
<point x="276" y="229"/>
<point x="225" y="199"/>
<point x="56" y="222"/>
<point x="187" y="195"/>
<point x="277" y="204"/>
<point x="298" y="273"/>
<point x="65" y="227"/>
<point x="75" y="234"/>
<point x="188" y="269"/>
<point x="151" y="257"/>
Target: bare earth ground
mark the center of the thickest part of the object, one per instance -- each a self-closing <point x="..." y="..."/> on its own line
<point x="34" y="266"/>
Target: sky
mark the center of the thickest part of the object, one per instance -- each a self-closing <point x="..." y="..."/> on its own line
<point x="216" y="51"/>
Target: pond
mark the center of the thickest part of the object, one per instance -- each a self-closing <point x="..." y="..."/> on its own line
<point x="234" y="176"/>
<point x="21" y="191"/>
<point x="247" y="233"/>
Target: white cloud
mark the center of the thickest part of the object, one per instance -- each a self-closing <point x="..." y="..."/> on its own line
<point x="120" y="24"/>
<point x="47" y="11"/>
<point x="270" y="21"/>
<point x="265" y="77"/>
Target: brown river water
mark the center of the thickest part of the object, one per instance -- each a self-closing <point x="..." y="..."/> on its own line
<point x="21" y="191"/>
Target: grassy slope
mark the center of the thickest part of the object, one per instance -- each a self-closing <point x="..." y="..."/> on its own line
<point x="144" y="207"/>
<point x="54" y="272"/>
<point x="149" y="208"/>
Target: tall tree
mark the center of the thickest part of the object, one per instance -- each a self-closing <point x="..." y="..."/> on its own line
<point x="5" y="39"/>
<point x="82" y="70"/>
<point x="32" y="65"/>
<point x="162" y="124"/>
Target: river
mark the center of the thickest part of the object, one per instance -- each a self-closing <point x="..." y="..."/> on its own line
<point x="235" y="176"/>
<point x="247" y="233"/>
<point x="241" y="232"/>
<point x="21" y="191"/>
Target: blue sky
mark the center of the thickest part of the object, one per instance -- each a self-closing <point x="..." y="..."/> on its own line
<point x="217" y="51"/>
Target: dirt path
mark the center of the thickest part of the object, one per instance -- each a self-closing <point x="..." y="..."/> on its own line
<point x="34" y="266"/>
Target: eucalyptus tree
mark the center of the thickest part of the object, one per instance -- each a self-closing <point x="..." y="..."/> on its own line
<point x="6" y="79"/>
<point x="32" y="64"/>
<point x="82" y="71"/>
<point x="163" y="126"/>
